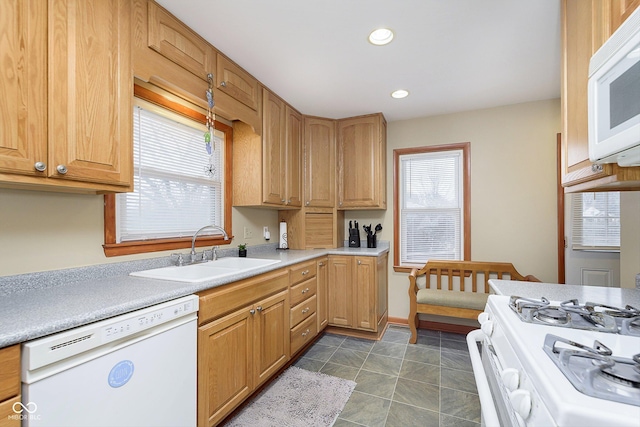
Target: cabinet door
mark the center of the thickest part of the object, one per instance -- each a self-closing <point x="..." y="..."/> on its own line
<point x="271" y="335"/>
<point x="365" y="306"/>
<point x="340" y="291"/>
<point x="293" y="127"/>
<point x="225" y="365"/>
<point x="322" y="280"/>
<point x="273" y="149"/>
<point x="178" y="43"/>
<point x="319" y="162"/>
<point x="382" y="282"/>
<point x="620" y="11"/>
<point x="236" y="82"/>
<point x="360" y="163"/>
<point x="23" y="84"/>
<point x="90" y="91"/>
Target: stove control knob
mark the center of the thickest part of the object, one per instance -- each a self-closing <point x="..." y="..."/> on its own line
<point x="487" y="328"/>
<point x="521" y="401"/>
<point x="483" y="317"/>
<point x="510" y="378"/>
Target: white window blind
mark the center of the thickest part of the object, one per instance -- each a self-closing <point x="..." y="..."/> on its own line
<point x="596" y="221"/>
<point x="431" y="206"/>
<point x="178" y="187"/>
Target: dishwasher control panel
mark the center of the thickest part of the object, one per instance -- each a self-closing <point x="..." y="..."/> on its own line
<point x="54" y="348"/>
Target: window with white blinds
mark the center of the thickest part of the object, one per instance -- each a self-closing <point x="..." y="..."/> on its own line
<point x="178" y="186"/>
<point x="431" y="206"/>
<point x="596" y="221"/>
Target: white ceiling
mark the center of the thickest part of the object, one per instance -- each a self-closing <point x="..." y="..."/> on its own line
<point x="451" y="55"/>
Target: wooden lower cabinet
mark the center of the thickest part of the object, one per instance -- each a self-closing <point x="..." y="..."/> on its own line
<point x="322" y="297"/>
<point x="357" y="292"/>
<point x="9" y="385"/>
<point x="240" y="350"/>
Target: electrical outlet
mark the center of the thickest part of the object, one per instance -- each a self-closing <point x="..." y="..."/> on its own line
<point x="248" y="234"/>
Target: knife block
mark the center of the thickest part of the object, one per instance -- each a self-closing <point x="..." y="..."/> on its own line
<point x="354" y="238"/>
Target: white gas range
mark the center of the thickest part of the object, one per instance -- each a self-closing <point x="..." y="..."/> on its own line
<point x="526" y="346"/>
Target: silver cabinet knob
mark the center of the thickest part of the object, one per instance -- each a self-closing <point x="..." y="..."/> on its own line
<point x="307" y="203"/>
<point x="223" y="84"/>
<point x="62" y="169"/>
<point x="305" y="310"/>
<point x="304" y="273"/>
<point x="259" y="308"/>
<point x="320" y="263"/>
<point x="40" y="166"/>
<point x="283" y="201"/>
<point x="252" y="311"/>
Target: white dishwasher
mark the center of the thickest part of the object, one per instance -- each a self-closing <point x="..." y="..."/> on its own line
<point x="137" y="369"/>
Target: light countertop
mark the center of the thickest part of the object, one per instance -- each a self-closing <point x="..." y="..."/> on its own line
<point x="617" y="297"/>
<point x="38" y="304"/>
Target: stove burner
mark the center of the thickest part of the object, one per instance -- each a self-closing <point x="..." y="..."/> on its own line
<point x="553" y="315"/>
<point x="570" y="314"/>
<point x="625" y="374"/>
<point x="625" y="313"/>
<point x="594" y="371"/>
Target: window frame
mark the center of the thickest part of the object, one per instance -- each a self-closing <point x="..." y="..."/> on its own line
<point x="111" y="248"/>
<point x="577" y="205"/>
<point x="465" y="147"/>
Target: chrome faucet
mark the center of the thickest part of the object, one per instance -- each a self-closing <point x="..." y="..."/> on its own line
<point x="193" y="241"/>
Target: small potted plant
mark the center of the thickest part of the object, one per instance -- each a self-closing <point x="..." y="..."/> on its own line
<point x="242" y="250"/>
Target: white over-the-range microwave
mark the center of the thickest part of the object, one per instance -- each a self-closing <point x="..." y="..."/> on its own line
<point x="614" y="97"/>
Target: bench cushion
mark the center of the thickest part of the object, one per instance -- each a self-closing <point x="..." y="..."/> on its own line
<point x="472" y="300"/>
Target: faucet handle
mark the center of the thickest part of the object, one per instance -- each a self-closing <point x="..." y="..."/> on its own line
<point x="178" y="259"/>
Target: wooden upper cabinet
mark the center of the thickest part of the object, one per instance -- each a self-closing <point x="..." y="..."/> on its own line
<point x="266" y="168"/>
<point x="67" y="88"/>
<point x="274" y="150"/>
<point x="90" y="91"/>
<point x="319" y="162"/>
<point x="586" y="25"/>
<point x="236" y="82"/>
<point x="620" y="11"/>
<point x="178" y="43"/>
<point x="362" y="162"/>
<point x="293" y="155"/>
<point x="23" y="83"/>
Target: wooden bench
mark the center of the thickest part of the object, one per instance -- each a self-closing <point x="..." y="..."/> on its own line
<point x="455" y="288"/>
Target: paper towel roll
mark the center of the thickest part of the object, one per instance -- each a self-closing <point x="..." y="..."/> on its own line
<point x="283" y="236"/>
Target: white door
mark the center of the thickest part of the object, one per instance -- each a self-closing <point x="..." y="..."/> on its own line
<point x="148" y="383"/>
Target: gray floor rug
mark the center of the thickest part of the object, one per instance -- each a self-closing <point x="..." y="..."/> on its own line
<point x="296" y="398"/>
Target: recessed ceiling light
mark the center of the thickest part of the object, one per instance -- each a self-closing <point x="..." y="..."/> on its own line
<point x="381" y="36"/>
<point x="400" y="93"/>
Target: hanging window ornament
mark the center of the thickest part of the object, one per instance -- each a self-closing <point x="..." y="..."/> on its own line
<point x="210" y="169"/>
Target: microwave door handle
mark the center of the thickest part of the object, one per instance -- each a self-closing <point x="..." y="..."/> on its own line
<point x="489" y="413"/>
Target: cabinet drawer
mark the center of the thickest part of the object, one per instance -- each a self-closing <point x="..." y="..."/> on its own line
<point x="303" y="333"/>
<point x="6" y="411"/>
<point x="302" y="271"/>
<point x="224" y="299"/>
<point x="10" y="372"/>
<point x="303" y="310"/>
<point x="302" y="291"/>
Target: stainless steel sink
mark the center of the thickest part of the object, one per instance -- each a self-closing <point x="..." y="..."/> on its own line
<point x="203" y="272"/>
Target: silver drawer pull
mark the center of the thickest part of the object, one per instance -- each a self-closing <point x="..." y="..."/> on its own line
<point x="259" y="308"/>
<point x="304" y="273"/>
<point x="304" y="291"/>
<point x="305" y="333"/>
<point x="305" y="311"/>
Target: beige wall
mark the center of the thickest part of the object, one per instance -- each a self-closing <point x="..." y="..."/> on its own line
<point x="42" y="231"/>
<point x="513" y="185"/>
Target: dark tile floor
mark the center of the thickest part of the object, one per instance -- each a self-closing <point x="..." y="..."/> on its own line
<point x="429" y="383"/>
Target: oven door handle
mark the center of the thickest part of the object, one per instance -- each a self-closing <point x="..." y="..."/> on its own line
<point x="489" y="414"/>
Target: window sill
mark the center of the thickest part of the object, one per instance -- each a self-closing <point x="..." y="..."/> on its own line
<point x="142" y="246"/>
